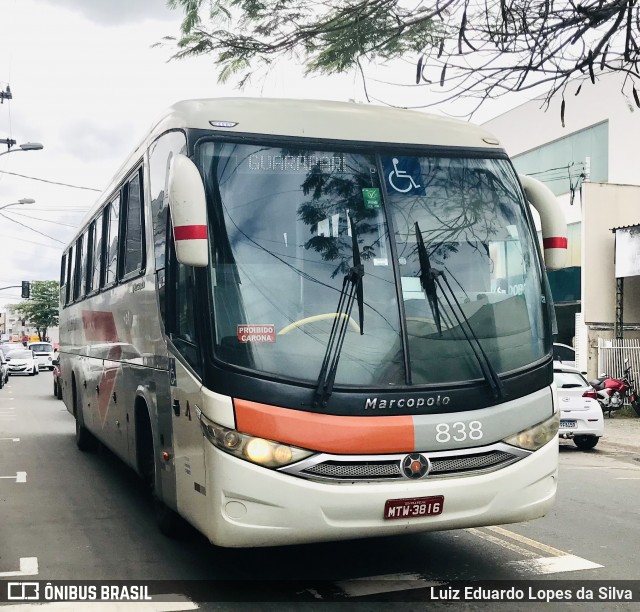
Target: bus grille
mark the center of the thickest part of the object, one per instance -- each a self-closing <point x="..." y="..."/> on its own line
<point x="347" y="470"/>
<point x="384" y="468"/>
<point x="471" y="462"/>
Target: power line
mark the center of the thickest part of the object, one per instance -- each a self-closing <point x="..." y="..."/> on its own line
<point x="71" y="210"/>
<point x="549" y="170"/>
<point x="31" y="228"/>
<point x="33" y="178"/>
<point x="40" y="219"/>
<point x="46" y="246"/>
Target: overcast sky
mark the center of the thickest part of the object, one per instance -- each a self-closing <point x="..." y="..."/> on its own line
<point x="86" y="83"/>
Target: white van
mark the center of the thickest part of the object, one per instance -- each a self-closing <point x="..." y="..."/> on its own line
<point x="44" y="354"/>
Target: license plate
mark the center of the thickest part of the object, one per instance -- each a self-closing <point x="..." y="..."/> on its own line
<point x="414" y="507"/>
<point x="568" y="423"/>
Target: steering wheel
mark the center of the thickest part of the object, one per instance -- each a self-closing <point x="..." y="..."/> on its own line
<point x="319" y="317"/>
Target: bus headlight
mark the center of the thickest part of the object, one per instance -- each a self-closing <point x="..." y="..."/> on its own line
<point x="537" y="436"/>
<point x="268" y="453"/>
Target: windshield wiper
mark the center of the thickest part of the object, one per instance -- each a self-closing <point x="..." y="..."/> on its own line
<point x="430" y="281"/>
<point x="427" y="279"/>
<point x="351" y="291"/>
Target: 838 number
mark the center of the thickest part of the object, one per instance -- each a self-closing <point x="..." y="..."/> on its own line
<point x="458" y="432"/>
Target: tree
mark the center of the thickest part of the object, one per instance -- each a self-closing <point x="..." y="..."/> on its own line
<point x="478" y="49"/>
<point x="42" y="307"/>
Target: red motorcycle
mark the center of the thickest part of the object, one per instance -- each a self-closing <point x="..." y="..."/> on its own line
<point x="613" y="393"/>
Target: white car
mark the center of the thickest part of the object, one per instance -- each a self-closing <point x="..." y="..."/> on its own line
<point x="581" y="417"/>
<point x="565" y="354"/>
<point x="44" y="354"/>
<point x="22" y="361"/>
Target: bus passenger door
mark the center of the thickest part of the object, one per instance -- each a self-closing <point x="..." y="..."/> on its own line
<point x="191" y="490"/>
<point x="186" y="387"/>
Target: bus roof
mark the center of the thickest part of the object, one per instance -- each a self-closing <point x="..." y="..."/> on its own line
<point x="326" y="120"/>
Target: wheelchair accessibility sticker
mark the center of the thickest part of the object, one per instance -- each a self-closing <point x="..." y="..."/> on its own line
<point x="403" y="175"/>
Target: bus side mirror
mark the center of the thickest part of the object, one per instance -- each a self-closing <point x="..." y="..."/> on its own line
<point x="554" y="225"/>
<point x="188" y="205"/>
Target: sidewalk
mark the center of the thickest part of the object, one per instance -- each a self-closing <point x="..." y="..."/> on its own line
<point x="621" y="433"/>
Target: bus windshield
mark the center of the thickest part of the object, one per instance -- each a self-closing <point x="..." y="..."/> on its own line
<point x="281" y="222"/>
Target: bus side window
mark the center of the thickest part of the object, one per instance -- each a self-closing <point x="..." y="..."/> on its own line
<point x="91" y="239"/>
<point x="112" y="213"/>
<point x="185" y="322"/>
<point x="63" y="278"/>
<point x="96" y="268"/>
<point x="181" y="320"/>
<point x="160" y="153"/>
<point x="67" y="296"/>
<point x="79" y="267"/>
<point x="133" y="227"/>
<point x="86" y="263"/>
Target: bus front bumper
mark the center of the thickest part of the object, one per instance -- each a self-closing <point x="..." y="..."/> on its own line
<point x="261" y="507"/>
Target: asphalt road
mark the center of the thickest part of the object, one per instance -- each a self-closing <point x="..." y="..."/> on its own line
<point x="67" y="515"/>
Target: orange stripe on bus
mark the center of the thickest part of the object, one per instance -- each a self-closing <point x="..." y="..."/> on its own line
<point x="324" y="432"/>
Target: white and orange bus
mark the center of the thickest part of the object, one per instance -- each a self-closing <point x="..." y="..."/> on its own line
<point x="304" y="320"/>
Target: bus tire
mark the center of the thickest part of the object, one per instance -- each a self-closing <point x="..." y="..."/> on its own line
<point x="85" y="441"/>
<point x="167" y="520"/>
<point x="59" y="390"/>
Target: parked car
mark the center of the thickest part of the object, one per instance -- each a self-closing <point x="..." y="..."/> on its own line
<point x="564" y="353"/>
<point x="44" y="354"/>
<point x="6" y="347"/>
<point x="22" y="361"/>
<point x="4" y="370"/>
<point x="57" y="377"/>
<point x="581" y="418"/>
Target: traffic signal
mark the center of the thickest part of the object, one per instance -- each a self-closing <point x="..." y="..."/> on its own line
<point x="26" y="289"/>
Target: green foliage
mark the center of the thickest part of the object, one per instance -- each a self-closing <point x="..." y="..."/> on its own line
<point x="42" y="307"/>
<point x="372" y="34"/>
<point x="328" y="37"/>
<point x="473" y="50"/>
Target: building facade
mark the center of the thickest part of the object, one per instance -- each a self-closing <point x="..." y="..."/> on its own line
<point x="590" y="164"/>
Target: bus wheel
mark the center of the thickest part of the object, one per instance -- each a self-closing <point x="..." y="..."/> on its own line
<point x="85" y="440"/>
<point x="166" y="519"/>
